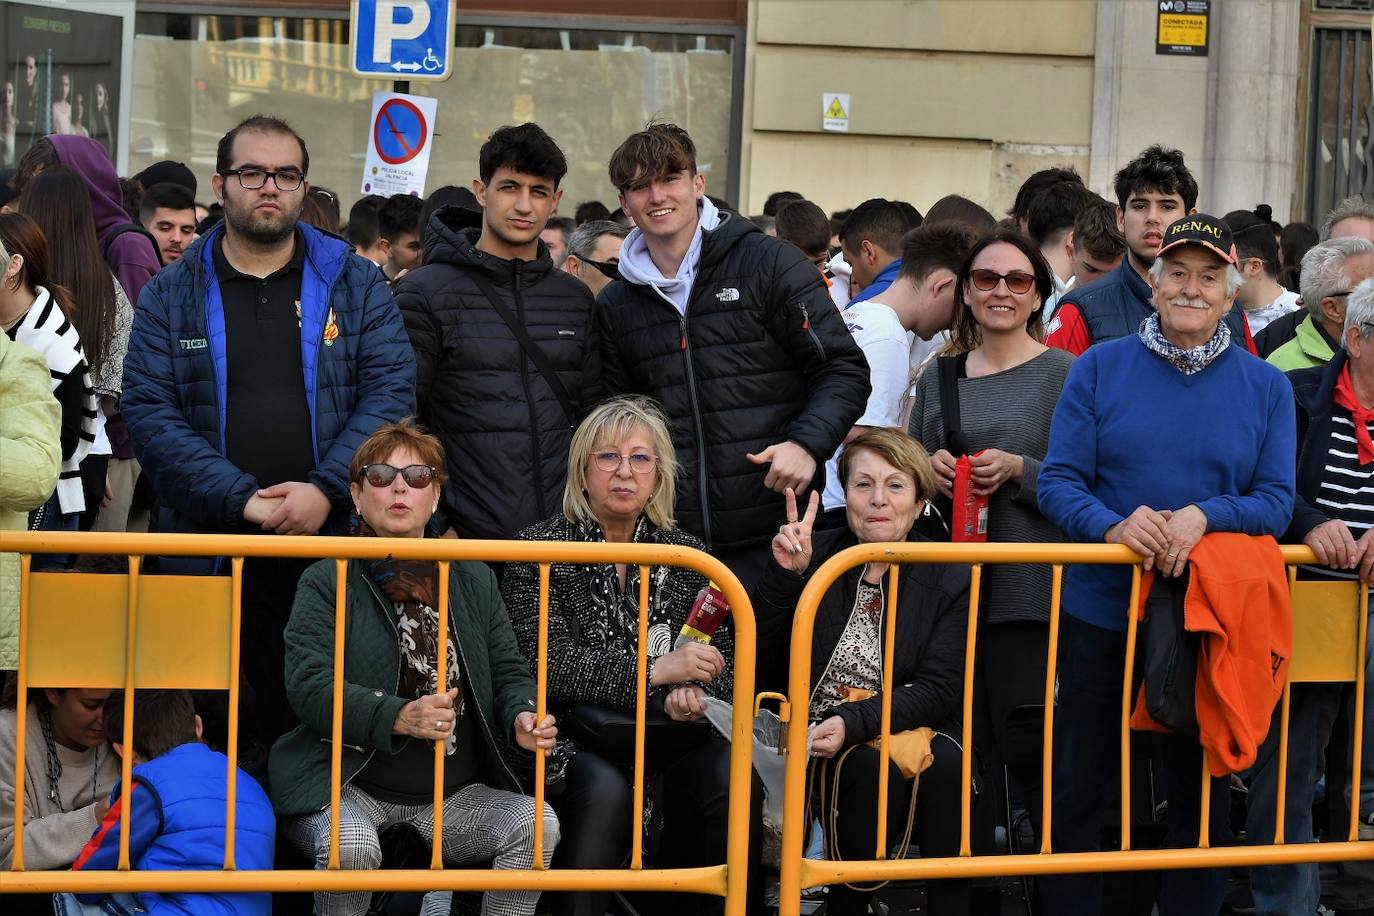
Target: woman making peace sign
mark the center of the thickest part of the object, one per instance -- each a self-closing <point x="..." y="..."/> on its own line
<point x="887" y="479"/>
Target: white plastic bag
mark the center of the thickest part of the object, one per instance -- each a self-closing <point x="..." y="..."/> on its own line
<point x="769" y="736"/>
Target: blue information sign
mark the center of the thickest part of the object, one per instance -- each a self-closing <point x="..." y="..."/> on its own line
<point x="403" y="39"/>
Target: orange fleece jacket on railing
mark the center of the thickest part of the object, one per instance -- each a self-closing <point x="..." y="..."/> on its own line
<point x="1239" y="604"/>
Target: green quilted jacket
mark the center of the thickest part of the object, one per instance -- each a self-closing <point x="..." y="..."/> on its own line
<point x="499" y="686"/>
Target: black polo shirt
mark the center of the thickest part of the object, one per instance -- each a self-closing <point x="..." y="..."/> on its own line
<point x="267" y="429"/>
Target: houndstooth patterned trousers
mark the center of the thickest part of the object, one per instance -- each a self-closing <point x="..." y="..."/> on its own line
<point x="480" y="824"/>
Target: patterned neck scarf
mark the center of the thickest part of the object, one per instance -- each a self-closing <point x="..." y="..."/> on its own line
<point x="1344" y="396"/>
<point x="412" y="587"/>
<point x="1194" y="359"/>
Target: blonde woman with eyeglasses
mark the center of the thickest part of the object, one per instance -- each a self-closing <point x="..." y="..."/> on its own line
<point x="620" y="489"/>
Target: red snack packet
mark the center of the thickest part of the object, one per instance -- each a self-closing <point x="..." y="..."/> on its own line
<point x="970" y="521"/>
<point x="708" y="612"/>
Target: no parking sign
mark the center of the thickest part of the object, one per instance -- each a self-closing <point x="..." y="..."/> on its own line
<point x="398" y="144"/>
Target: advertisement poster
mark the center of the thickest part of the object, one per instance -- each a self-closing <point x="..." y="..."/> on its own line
<point x="62" y="75"/>
<point x="1182" y="27"/>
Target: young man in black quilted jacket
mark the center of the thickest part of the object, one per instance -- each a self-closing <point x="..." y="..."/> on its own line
<point x="506" y="355"/>
<point x="734" y="333"/>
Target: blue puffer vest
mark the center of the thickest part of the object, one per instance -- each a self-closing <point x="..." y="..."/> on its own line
<point x="189" y="781"/>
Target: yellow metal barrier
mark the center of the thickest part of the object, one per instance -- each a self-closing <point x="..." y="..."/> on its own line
<point x="1329" y="632"/>
<point x="141" y="631"/>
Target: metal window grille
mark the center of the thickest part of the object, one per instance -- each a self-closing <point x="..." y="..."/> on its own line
<point x="1344" y="5"/>
<point x="1340" y="145"/>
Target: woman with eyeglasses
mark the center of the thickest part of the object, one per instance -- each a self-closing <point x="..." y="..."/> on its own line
<point x="1007" y="384"/>
<point x="620" y="489"/>
<point x="393" y="711"/>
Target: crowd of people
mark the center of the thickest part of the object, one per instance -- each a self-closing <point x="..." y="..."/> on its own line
<point x="770" y="389"/>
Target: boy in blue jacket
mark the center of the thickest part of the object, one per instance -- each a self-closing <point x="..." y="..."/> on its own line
<point x="177" y="811"/>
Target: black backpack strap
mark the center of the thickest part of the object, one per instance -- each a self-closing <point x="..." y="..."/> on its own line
<point x="950" y="367"/>
<point x="537" y="356"/>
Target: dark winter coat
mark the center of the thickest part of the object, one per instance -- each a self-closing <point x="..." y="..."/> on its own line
<point x="504" y="432"/>
<point x="498" y="683"/>
<point x="932" y="625"/>
<point x="761" y="356"/>
<point x="1313" y="391"/>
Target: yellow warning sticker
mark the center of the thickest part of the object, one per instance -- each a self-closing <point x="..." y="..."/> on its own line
<point x="1185" y="31"/>
<point x="835" y="111"/>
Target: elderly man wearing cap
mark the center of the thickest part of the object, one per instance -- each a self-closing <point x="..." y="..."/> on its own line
<point x="1126" y="465"/>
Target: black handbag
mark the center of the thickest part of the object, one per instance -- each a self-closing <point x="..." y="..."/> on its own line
<point x="610" y="733"/>
<point x="1168" y="662"/>
<point x="933" y="522"/>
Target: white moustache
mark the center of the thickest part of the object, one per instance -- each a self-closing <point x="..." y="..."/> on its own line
<point x="1185" y="302"/>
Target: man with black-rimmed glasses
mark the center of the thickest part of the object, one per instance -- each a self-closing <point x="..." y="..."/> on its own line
<point x="257" y="364"/>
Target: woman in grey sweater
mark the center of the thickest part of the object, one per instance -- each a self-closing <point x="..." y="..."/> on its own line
<point x="1008" y="384"/>
<point x="69" y="770"/>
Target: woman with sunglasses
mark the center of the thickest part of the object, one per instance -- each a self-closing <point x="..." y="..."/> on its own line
<point x="620" y="489"/>
<point x="393" y="711"/>
<point x="1008" y="383"/>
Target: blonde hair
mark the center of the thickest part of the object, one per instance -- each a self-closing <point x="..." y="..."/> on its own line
<point x="899" y="450"/>
<point x="612" y="421"/>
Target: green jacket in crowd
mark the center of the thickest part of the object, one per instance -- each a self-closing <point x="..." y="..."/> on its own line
<point x="30" y="457"/>
<point x="499" y="686"/>
<point x="1309" y="347"/>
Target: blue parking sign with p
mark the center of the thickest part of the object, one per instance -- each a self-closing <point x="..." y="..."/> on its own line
<point x="403" y="39"/>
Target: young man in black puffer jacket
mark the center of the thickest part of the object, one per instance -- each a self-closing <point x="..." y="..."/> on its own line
<point x="504" y="408"/>
<point x="734" y="333"/>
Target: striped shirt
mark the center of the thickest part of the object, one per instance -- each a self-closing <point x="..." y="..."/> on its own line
<point x="1347" y="488"/>
<point x="45" y="328"/>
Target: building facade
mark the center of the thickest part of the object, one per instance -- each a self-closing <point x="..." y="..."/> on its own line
<point x="940" y="96"/>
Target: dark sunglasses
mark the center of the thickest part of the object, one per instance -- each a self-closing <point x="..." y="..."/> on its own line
<point x="417" y="476"/>
<point x="987" y="280"/>
<point x="609" y="269"/>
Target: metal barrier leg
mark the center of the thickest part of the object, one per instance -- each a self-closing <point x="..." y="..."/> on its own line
<point x="540" y="710"/>
<point x="232" y="741"/>
<point x="21" y="710"/>
<point x="1357" y="737"/>
<point x="336" y="745"/>
<point x="641" y="699"/>
<point x="1127" y="679"/>
<point x="126" y="775"/>
<point x="441" y="685"/>
<point x="1281" y="788"/>
<point x="1047" y="725"/>
<point x="966" y="779"/>
<point x="885" y="722"/>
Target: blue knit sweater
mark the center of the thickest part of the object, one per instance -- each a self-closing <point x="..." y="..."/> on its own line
<point x="1131" y="430"/>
